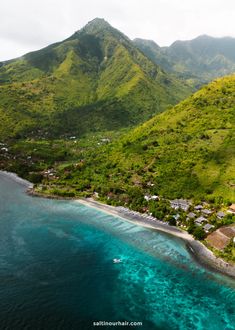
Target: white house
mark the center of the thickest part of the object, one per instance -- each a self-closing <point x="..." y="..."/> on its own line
<point x="198" y="207"/>
<point x="208" y="227"/>
<point x="199" y="221"/>
<point x="221" y="215"/>
<point x="180" y="204"/>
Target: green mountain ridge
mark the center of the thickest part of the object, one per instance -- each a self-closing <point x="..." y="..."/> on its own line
<point x="97" y="81"/>
<point x="201" y="59"/>
<point x="187" y="151"/>
<point x="88" y="82"/>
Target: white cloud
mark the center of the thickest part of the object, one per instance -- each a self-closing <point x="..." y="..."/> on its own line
<point x="27" y="25"/>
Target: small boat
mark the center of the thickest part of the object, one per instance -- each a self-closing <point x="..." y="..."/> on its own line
<point x="116" y="261"/>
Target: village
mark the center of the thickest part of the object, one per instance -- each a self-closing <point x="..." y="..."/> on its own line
<point x="215" y="227"/>
<point x="201" y="214"/>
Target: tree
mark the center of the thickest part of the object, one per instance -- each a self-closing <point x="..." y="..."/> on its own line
<point x="191" y="226"/>
<point x="172" y="221"/>
<point x="199" y="233"/>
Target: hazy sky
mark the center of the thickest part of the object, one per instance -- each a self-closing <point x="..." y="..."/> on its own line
<point x="27" y="25"/>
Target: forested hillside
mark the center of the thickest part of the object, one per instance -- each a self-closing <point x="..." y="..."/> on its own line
<point x="188" y="151"/>
<point x="95" y="80"/>
<point x="198" y="61"/>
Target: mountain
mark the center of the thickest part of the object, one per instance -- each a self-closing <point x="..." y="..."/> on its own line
<point x="95" y="80"/>
<point x="154" y="52"/>
<point x="187" y="151"/>
<point x="201" y="59"/>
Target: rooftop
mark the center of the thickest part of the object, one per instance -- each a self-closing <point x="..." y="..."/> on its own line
<point x="200" y="220"/>
<point x="198" y="207"/>
<point x="221" y="214"/>
<point x="232" y="207"/>
<point x="208" y="226"/>
<point x="206" y="211"/>
<point x="191" y="215"/>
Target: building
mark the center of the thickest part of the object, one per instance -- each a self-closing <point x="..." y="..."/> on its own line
<point x="176" y="216"/>
<point x="104" y="140"/>
<point x="206" y="212"/>
<point x="208" y="227"/>
<point x="221" y="215"/>
<point x="232" y="209"/>
<point x="149" y="198"/>
<point x="155" y="198"/>
<point x="198" y="207"/>
<point x="180" y="204"/>
<point x="191" y="215"/>
<point x="199" y="221"/>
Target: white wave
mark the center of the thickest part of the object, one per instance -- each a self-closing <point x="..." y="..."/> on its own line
<point x="16" y="178"/>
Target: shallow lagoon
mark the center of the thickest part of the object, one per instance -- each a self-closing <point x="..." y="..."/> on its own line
<point x="56" y="271"/>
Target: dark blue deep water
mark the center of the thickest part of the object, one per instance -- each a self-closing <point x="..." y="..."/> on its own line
<point x="56" y="271"/>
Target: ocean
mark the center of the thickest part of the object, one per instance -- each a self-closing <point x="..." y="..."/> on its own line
<point x="57" y="271"/>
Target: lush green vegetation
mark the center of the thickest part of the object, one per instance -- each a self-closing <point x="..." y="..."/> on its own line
<point x="66" y="113"/>
<point x="32" y="156"/>
<point x="227" y="254"/>
<point x="197" y="61"/>
<point x="188" y="151"/>
<point x="94" y="81"/>
<point x="197" y="232"/>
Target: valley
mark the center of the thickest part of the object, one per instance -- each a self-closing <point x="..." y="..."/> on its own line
<point x="98" y="115"/>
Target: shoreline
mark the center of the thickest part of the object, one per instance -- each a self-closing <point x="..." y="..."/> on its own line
<point x="199" y="251"/>
<point x="17" y="178"/>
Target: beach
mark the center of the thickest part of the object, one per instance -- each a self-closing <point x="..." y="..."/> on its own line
<point x="199" y="251"/>
<point x="57" y="267"/>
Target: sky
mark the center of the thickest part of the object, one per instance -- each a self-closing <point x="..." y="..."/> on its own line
<point x="27" y="25"/>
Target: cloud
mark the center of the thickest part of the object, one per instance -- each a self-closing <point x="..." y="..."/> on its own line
<point x="28" y="25"/>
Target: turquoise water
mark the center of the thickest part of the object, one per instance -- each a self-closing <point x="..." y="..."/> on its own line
<point x="56" y="271"/>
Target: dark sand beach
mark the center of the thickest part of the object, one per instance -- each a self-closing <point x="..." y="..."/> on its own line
<point x="199" y="251"/>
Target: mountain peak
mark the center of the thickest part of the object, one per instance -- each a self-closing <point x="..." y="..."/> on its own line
<point x="99" y="26"/>
<point x="204" y="36"/>
<point x="96" y="24"/>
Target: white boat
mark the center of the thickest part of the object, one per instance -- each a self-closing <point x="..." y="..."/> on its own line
<point x="116" y="261"/>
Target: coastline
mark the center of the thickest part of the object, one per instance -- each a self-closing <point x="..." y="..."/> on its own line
<point x="199" y="251"/>
<point x="16" y="178"/>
